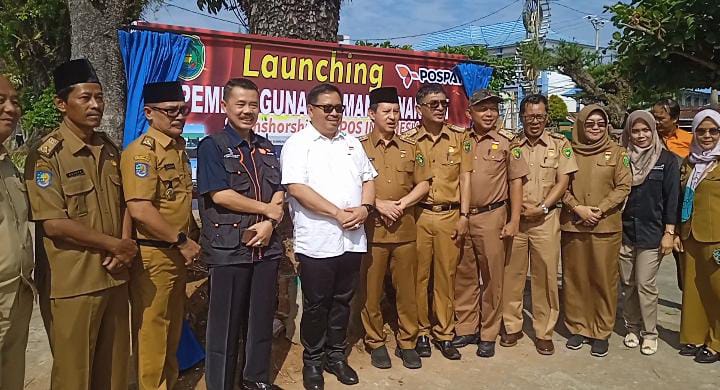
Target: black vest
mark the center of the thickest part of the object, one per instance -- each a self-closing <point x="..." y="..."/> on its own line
<point x="222" y="228"/>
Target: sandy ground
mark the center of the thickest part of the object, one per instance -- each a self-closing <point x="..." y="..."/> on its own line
<point x="512" y="368"/>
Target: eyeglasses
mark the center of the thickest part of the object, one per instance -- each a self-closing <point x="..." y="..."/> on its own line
<point x="173" y="112"/>
<point x="434" y="104"/>
<point x="591" y="124"/>
<point x="534" y="118"/>
<point x="712" y="131"/>
<point x="329" y="108"/>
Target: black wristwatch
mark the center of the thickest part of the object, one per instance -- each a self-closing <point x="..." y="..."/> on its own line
<point x="181" y="239"/>
<point x="370" y="208"/>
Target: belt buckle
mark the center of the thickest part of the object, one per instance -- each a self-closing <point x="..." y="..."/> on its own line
<point x="437" y="208"/>
<point x="474" y="210"/>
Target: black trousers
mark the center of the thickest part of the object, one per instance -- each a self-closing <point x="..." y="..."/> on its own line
<point x="243" y="297"/>
<point x="328" y="285"/>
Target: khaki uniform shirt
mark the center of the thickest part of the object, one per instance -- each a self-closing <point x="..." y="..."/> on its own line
<point x="603" y="180"/>
<point x="448" y="156"/>
<point x="494" y="164"/>
<point x="550" y="157"/>
<point x="703" y="223"/>
<point x="16" y="255"/>
<point x="67" y="178"/>
<point x="398" y="173"/>
<point x="155" y="167"/>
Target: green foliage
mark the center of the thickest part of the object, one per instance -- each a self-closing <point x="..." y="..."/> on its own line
<point x="40" y="113"/>
<point x="535" y="59"/>
<point x="386" y="45"/>
<point x="504" y="68"/>
<point x="668" y="43"/>
<point x="557" y="109"/>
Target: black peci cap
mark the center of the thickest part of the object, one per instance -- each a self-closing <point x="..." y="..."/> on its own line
<point x="384" y="95"/>
<point x="74" y="72"/>
<point x="165" y="91"/>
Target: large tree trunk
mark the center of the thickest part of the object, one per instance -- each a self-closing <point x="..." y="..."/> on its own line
<point x="94" y="27"/>
<point x="316" y="20"/>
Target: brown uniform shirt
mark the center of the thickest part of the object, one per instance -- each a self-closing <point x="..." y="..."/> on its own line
<point x="550" y="157"/>
<point x="68" y="179"/>
<point x="448" y="156"/>
<point x="603" y="180"/>
<point x="398" y="173"/>
<point x="494" y="164"/>
<point x="16" y="255"/>
<point x="155" y="167"/>
<point x="703" y="222"/>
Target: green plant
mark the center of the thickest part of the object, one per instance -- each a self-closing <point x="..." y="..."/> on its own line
<point x="40" y="113"/>
<point x="557" y="109"/>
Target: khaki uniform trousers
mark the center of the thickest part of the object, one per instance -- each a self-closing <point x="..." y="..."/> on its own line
<point x="16" y="303"/>
<point x="700" y="320"/>
<point x="590" y="282"/>
<point x="157" y="296"/>
<point x="537" y="245"/>
<point x="91" y="340"/>
<point x="482" y="263"/>
<point x="402" y="260"/>
<point x="438" y="254"/>
<point x="638" y="272"/>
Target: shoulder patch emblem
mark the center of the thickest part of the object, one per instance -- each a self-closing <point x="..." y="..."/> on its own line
<point x="626" y="160"/>
<point x="149" y="142"/>
<point x="43" y="178"/>
<point x="467" y="146"/>
<point x="48" y="147"/>
<point x="516" y="152"/>
<point x="142" y="158"/>
<point x="141" y="169"/>
<point x="420" y="159"/>
<point x="567" y="152"/>
<point x="507" y="134"/>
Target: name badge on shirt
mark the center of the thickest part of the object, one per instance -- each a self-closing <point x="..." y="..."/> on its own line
<point x="660" y="167"/>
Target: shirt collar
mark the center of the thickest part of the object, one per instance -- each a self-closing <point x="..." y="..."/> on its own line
<point x="237" y="140"/>
<point x="3" y="152"/>
<point x="315" y="135"/>
<point x="543" y="139"/>
<point x="490" y="134"/>
<point x="445" y="131"/>
<point x="376" y="139"/>
<point x="163" y="139"/>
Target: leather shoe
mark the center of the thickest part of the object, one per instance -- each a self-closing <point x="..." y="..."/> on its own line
<point x="465" y="340"/>
<point x="410" y="358"/>
<point x="248" y="385"/>
<point x="706" y="356"/>
<point x="344" y="373"/>
<point x="689" y="350"/>
<point x="313" y="378"/>
<point x="380" y="358"/>
<point x="544" y="347"/>
<point x="486" y="349"/>
<point x="422" y="346"/>
<point x="447" y="350"/>
<point x="510" y="340"/>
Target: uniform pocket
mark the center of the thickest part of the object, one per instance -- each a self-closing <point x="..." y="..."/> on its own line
<point x="76" y="194"/>
<point x="226" y="235"/>
<point x="406" y="171"/>
<point x="271" y="169"/>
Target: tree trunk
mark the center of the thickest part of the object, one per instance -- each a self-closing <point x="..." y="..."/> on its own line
<point x="316" y="20"/>
<point x="94" y="25"/>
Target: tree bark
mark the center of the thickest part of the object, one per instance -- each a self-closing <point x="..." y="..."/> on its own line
<point x="316" y="20"/>
<point x="94" y="25"/>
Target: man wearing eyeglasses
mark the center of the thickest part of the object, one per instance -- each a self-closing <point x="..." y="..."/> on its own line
<point x="498" y="171"/>
<point x="442" y="221"/>
<point x="158" y="190"/>
<point x="537" y="244"/>
<point x="331" y="183"/>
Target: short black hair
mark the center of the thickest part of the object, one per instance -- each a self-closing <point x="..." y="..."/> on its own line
<point x="239" y="82"/>
<point x="534" y="98"/>
<point x="320" y="89"/>
<point x="428" y="89"/>
<point x="670" y="106"/>
<point x="64" y="93"/>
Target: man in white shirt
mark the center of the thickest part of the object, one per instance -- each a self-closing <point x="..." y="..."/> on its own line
<point x="330" y="182"/>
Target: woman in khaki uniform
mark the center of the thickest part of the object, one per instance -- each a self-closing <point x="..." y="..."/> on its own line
<point x="700" y="242"/>
<point x="591" y="227"/>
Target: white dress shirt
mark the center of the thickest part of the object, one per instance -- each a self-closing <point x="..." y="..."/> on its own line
<point x="336" y="169"/>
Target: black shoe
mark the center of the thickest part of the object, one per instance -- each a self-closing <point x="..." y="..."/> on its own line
<point x="379" y="358"/>
<point x="465" y="340"/>
<point x="447" y="350"/>
<point x="410" y="358"/>
<point x="422" y="347"/>
<point x="705" y="356"/>
<point x="689" y="350"/>
<point x="248" y="385"/>
<point x="344" y="373"/>
<point x="313" y="378"/>
<point x="576" y="342"/>
<point x="599" y="348"/>
<point x="486" y="349"/>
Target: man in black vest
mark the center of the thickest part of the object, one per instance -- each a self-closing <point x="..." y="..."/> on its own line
<point x="240" y="206"/>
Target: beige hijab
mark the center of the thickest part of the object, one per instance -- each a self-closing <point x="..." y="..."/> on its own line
<point x="580" y="143"/>
<point x="642" y="160"/>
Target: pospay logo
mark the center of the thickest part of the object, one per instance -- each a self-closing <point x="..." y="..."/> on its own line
<point x="426" y="75"/>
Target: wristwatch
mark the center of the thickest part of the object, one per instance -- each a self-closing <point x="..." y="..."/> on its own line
<point x="544" y="208"/>
<point x="181" y="239"/>
<point x="370" y="208"/>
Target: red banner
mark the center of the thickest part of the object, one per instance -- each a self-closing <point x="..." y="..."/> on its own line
<point x="285" y="69"/>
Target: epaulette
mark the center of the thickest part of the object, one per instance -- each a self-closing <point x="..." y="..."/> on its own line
<point x="407" y="139"/>
<point x="363" y="138"/>
<point x="410" y="132"/>
<point x="148" y="141"/>
<point x="456" y="128"/>
<point x="48" y="147"/>
<point x="507" y="134"/>
<point x="557" y="135"/>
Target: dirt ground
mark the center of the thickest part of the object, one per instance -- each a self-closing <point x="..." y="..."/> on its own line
<point x="512" y="368"/>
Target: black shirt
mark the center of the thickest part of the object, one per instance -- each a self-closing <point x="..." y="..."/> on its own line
<point x="653" y="204"/>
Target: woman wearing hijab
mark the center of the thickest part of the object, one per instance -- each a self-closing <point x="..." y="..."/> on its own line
<point x="700" y="242"/>
<point x="591" y="227"/>
<point x="648" y="227"/>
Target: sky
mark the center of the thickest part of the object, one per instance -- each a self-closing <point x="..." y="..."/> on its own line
<point x="384" y="19"/>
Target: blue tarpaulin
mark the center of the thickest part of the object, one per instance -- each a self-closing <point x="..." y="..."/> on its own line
<point x="148" y="57"/>
<point x="474" y="76"/>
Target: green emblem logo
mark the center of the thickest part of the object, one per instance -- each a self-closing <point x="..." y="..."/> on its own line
<point x="194" y="62"/>
<point x="467" y="146"/>
<point x="516" y="152"/>
<point x="420" y="159"/>
<point x="626" y="160"/>
<point x="567" y="152"/>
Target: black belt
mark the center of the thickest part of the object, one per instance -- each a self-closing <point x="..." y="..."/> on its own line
<point x="155" y="243"/>
<point x="439" y="207"/>
<point x="485" y="209"/>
